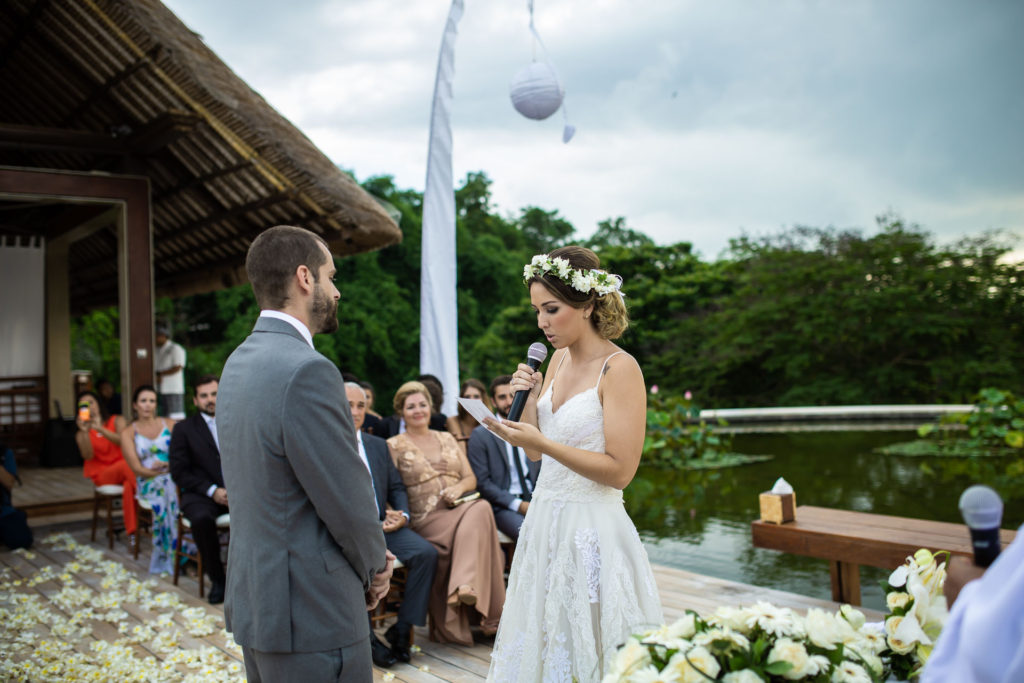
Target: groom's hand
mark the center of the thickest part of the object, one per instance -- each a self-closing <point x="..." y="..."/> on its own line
<point x="381" y="582"/>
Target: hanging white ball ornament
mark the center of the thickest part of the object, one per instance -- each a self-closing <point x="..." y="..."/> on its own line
<point x="536" y="92"/>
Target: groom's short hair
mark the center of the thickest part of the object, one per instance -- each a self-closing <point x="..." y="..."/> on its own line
<point x="273" y="257"/>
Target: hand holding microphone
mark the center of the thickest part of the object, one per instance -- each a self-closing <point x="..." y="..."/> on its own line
<point x="535" y="356"/>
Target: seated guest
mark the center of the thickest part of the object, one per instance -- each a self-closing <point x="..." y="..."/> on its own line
<point x="14" y="530"/>
<point x="99" y="442"/>
<point x="983" y="639"/>
<point x="195" y="468"/>
<point x="110" y="400"/>
<point x="145" y="444"/>
<point x="436" y="389"/>
<point x="371" y="395"/>
<point x="395" y="424"/>
<point x="462" y="424"/>
<point x="415" y="553"/>
<point x="374" y="423"/>
<point x="505" y="477"/>
<point x="468" y="582"/>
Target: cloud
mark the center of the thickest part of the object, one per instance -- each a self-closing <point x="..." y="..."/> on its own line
<point x="696" y="120"/>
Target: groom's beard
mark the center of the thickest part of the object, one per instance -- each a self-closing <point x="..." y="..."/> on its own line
<point x="323" y="312"/>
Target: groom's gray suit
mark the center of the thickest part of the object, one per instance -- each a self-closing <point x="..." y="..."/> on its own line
<point x="305" y="537"/>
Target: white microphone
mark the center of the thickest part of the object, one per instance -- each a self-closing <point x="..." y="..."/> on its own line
<point x="982" y="510"/>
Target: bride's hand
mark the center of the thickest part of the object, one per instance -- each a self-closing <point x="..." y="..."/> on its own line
<point x="522" y="434"/>
<point x="526" y="377"/>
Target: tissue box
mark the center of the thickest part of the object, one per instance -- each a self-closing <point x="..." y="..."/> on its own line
<point x="778" y="508"/>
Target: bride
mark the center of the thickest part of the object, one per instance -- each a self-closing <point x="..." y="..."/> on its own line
<point x="580" y="582"/>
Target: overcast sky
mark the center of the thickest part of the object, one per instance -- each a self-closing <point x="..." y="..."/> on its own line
<point x="696" y="120"/>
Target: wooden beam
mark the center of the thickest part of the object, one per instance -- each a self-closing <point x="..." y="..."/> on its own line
<point x="112" y="82"/>
<point x="26" y="24"/>
<point x="196" y="181"/>
<point x="227" y="214"/>
<point x="41" y="138"/>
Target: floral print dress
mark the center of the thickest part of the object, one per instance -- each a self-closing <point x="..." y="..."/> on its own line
<point x="160" y="493"/>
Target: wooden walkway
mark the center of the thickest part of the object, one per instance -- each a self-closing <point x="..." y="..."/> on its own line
<point x="60" y="581"/>
<point x="50" y="491"/>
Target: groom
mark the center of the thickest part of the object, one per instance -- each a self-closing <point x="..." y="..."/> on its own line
<point x="307" y="553"/>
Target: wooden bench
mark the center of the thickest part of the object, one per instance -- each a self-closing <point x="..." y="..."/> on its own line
<point x="848" y="539"/>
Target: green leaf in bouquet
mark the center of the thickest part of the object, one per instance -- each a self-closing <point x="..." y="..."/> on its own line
<point x="760" y="647"/>
<point x="778" y="668"/>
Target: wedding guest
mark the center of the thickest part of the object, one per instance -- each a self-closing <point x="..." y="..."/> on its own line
<point x="417" y="555"/>
<point x="371" y="395"/>
<point x="110" y="399"/>
<point x="194" y="459"/>
<point x="983" y="639"/>
<point x="169" y="360"/>
<point x="436" y="389"/>
<point x="468" y="583"/>
<point x="461" y="425"/>
<point x="395" y="424"/>
<point x="145" y="443"/>
<point x="99" y="442"/>
<point x="505" y="477"/>
<point x="14" y="530"/>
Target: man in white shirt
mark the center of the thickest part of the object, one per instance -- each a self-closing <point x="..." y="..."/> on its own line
<point x="194" y="458"/>
<point x="505" y="477"/>
<point x="169" y="360"/>
<point x="983" y="639"/>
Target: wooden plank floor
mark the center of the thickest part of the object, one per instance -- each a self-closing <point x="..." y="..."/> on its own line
<point x="58" y="490"/>
<point x="680" y="590"/>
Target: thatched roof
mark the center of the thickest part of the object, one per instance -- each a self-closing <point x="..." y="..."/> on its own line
<point x="124" y="86"/>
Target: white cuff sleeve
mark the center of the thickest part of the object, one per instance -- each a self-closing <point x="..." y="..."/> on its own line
<point x="210" y="491"/>
<point x="514" y="505"/>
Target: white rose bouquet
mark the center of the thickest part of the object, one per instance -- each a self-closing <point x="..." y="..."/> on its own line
<point x="758" y="643"/>
<point x="917" y="612"/>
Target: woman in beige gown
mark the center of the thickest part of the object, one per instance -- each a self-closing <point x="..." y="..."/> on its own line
<point x="468" y="583"/>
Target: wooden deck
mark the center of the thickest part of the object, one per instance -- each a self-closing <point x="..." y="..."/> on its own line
<point x="53" y="491"/>
<point x="55" y="497"/>
<point x="213" y="656"/>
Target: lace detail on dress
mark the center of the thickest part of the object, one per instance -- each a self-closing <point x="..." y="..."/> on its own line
<point x="589" y="546"/>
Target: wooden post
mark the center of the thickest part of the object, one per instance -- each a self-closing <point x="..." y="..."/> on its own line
<point x="135" y="259"/>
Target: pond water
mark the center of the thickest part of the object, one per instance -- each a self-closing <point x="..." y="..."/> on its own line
<point x="700" y="520"/>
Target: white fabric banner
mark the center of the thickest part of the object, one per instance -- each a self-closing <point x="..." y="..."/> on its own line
<point x="22" y="307"/>
<point x="439" y="328"/>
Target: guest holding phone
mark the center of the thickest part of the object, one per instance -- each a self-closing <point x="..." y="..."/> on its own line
<point x="468" y="583"/>
<point x="99" y="442"/>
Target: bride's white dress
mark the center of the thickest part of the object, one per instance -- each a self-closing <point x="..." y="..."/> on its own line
<point x="580" y="582"/>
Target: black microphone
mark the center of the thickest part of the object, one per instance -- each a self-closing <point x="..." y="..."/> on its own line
<point x="982" y="510"/>
<point x="535" y="355"/>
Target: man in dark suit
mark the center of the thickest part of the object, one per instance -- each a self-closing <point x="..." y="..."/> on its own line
<point x="307" y="553"/>
<point x="416" y="553"/>
<point x="195" y="467"/>
<point x="504" y="475"/>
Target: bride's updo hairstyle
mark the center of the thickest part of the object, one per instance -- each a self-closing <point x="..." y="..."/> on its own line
<point x="609" y="318"/>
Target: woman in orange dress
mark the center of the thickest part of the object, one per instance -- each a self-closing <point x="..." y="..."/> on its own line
<point x="461" y="425"/>
<point x="468" y="584"/>
<point x="99" y="442"/>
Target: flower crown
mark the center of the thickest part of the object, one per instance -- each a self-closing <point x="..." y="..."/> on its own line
<point x="600" y="281"/>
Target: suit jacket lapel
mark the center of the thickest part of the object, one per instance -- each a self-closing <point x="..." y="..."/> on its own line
<point x="204" y="429"/>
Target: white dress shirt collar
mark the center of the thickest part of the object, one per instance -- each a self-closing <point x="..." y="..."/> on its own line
<point x="291" y="320"/>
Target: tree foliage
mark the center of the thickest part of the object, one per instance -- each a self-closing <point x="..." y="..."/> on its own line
<point x="809" y="316"/>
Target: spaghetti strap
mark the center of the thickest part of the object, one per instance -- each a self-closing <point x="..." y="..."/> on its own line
<point x="551" y="387"/>
<point x="601" y="375"/>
